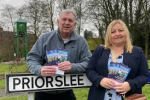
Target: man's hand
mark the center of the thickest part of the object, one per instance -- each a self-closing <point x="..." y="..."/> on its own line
<point x="107" y="83"/>
<point x="65" y="66"/>
<point x="48" y="70"/>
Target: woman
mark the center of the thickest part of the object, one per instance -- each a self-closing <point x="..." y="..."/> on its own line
<point x="118" y="51"/>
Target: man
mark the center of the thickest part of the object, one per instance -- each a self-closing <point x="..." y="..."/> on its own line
<point x="65" y="38"/>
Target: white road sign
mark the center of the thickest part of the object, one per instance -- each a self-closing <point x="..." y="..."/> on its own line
<point x="30" y="82"/>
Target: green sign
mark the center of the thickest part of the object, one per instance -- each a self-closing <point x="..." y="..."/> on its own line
<point x="21" y="27"/>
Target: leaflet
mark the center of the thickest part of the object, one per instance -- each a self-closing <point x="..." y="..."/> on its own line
<point x="118" y="71"/>
<point x="57" y="56"/>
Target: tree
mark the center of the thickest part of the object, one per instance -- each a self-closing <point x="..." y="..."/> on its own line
<point x="79" y="6"/>
<point x="141" y="25"/>
<point x="146" y="23"/>
<point x="49" y="13"/>
<point x="33" y="14"/>
<point x="88" y="34"/>
<point x="9" y="13"/>
<point x="135" y="13"/>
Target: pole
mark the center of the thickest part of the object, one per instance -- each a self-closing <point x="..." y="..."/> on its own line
<point x="30" y="96"/>
<point x="17" y="46"/>
<point x="25" y="49"/>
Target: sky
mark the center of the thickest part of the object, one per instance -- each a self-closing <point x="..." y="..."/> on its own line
<point x="15" y="3"/>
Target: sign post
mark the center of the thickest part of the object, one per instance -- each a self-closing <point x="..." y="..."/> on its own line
<point x="30" y="95"/>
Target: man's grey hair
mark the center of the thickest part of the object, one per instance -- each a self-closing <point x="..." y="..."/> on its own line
<point x="68" y="11"/>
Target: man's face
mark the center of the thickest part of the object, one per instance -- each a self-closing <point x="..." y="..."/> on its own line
<point x="66" y="23"/>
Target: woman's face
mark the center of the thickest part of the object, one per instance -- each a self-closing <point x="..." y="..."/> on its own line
<point x="118" y="35"/>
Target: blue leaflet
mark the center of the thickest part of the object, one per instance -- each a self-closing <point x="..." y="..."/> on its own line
<point x="118" y="71"/>
<point x="57" y="56"/>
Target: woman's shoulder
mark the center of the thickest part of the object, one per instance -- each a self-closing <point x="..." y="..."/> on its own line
<point x="137" y="49"/>
<point x="99" y="48"/>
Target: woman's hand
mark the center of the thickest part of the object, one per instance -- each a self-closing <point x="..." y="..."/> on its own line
<point x="107" y="83"/>
<point x="123" y="88"/>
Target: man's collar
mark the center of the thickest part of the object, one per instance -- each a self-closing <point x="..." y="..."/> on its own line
<point x="73" y="35"/>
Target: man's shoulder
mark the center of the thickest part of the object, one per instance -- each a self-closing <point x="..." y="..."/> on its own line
<point x="51" y="33"/>
<point x="47" y="35"/>
<point x="80" y="38"/>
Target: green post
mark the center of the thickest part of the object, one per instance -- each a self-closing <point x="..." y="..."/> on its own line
<point x="21" y="31"/>
<point x="17" y="47"/>
<point x="25" y="46"/>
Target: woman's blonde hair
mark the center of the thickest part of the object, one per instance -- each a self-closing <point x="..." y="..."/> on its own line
<point x="108" y="41"/>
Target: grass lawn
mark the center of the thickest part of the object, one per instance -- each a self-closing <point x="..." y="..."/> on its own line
<point x="80" y="93"/>
<point x="149" y="63"/>
<point x="22" y="97"/>
<point x="2" y="83"/>
<point x="13" y="68"/>
<point x="146" y="91"/>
